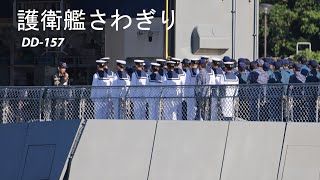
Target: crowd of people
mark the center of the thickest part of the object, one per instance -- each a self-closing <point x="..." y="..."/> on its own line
<point x="173" y="73"/>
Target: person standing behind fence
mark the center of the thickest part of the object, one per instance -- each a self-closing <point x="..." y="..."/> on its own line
<point x="163" y="66"/>
<point x="191" y="101"/>
<point x="108" y="75"/>
<point x="312" y="90"/>
<point x="297" y="95"/>
<point x="314" y="75"/>
<point x="60" y="103"/>
<point x="297" y="77"/>
<point x="215" y="79"/>
<point x="119" y="92"/>
<point x="202" y="92"/>
<point x="171" y="93"/>
<point x="303" y="61"/>
<point x="267" y="69"/>
<point x="183" y="79"/>
<point x="243" y="95"/>
<point x="138" y="94"/>
<point x="106" y="69"/>
<point x="155" y="81"/>
<point x="187" y="91"/>
<point x="276" y="77"/>
<point x="242" y="74"/>
<point x="256" y="76"/>
<point x="99" y="95"/>
<point x="230" y="92"/>
<point x="285" y="71"/>
<point x="62" y="77"/>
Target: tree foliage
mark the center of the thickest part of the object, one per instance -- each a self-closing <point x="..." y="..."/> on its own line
<point x="289" y="23"/>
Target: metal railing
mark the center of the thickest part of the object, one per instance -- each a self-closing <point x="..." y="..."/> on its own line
<point x="275" y="102"/>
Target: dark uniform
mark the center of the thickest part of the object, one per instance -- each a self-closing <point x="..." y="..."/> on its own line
<point x="202" y="93"/>
<point x="242" y="74"/>
<point x="313" y="76"/>
<point x="257" y="93"/>
<point x="276" y="77"/>
<point x="60" y="104"/>
<point x="296" y="95"/>
<point x="243" y="90"/>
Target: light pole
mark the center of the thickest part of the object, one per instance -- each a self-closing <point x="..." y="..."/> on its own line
<point x="265" y="8"/>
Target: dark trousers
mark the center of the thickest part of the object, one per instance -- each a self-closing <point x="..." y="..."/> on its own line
<point x="203" y="106"/>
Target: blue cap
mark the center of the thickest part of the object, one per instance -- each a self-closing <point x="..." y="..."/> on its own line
<point x="266" y="66"/>
<point x="226" y="59"/>
<point x="63" y="65"/>
<point x="260" y="62"/>
<point x="202" y="62"/>
<point x="277" y="64"/>
<point x="186" y="61"/>
<point x="242" y="66"/>
<point x="147" y="64"/>
<point x="241" y="60"/>
<point x="313" y="63"/>
<point x="304" y="72"/>
<point x="129" y="69"/>
<point x="270" y="61"/>
<point x="285" y="62"/>
<point x="297" y="66"/>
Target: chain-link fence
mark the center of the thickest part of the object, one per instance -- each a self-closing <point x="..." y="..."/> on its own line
<point x="276" y="102"/>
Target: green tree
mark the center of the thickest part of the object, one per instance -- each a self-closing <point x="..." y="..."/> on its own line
<point x="291" y="22"/>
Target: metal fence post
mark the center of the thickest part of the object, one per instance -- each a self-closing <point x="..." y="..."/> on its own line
<point x="282" y="101"/>
<point x="317" y="104"/>
<point x="288" y="111"/>
<point x="161" y="104"/>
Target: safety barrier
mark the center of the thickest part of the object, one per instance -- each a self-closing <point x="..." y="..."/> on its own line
<point x="272" y="102"/>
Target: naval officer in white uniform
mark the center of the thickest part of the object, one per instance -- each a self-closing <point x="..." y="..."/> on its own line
<point x="119" y="92"/>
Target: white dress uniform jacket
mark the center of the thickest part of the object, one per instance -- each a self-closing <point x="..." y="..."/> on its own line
<point x="119" y="93"/>
<point x="229" y="94"/>
<point x="172" y="95"/>
<point x="101" y="95"/>
<point x="155" y="83"/>
<point x="138" y="94"/>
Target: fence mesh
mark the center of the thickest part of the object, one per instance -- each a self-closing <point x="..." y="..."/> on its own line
<point x="277" y="102"/>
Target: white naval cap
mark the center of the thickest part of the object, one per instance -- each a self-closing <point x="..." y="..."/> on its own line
<point x="205" y="57"/>
<point x="139" y="61"/>
<point x="216" y="59"/>
<point x="100" y="61"/>
<point x="176" y="59"/>
<point x="228" y="63"/>
<point x="161" y="60"/>
<point x="171" y="62"/>
<point x="121" y="62"/>
<point x="194" y="60"/>
<point x="105" y="58"/>
<point x="155" y="64"/>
